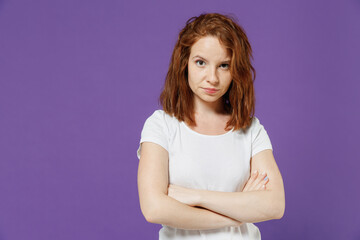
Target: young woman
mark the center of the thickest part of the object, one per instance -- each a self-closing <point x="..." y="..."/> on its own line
<point x="196" y="155"/>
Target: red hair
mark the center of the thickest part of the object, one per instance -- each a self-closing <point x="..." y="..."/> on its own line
<point x="239" y="101"/>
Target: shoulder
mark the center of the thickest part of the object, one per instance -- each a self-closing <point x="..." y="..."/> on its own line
<point x="254" y="124"/>
<point x="160" y="115"/>
<point x="161" y="120"/>
<point x="255" y="128"/>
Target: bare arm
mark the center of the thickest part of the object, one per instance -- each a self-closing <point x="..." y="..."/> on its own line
<point x="253" y="206"/>
<point x="158" y="207"/>
<point x="178" y="215"/>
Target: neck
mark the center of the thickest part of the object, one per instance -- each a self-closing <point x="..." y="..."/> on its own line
<point x="208" y="108"/>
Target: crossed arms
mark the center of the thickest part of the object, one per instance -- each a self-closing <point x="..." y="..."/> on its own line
<point x="186" y="208"/>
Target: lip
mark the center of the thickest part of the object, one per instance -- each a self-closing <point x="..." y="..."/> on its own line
<point x="210" y="90"/>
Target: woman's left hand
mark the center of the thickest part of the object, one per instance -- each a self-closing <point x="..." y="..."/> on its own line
<point x="182" y="194"/>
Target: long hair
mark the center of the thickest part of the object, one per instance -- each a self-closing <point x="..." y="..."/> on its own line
<point x="177" y="98"/>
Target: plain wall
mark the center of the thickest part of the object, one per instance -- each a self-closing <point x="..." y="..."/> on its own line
<point x="79" y="78"/>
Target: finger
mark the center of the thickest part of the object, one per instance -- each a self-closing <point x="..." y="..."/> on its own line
<point x="250" y="180"/>
<point x="265" y="181"/>
<point x="259" y="181"/>
<point x="254" y="175"/>
<point x="260" y="178"/>
<point x="262" y="184"/>
<point x="249" y="183"/>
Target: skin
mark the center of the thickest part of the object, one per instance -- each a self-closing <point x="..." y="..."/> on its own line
<point x="186" y="208"/>
<point x="191" y="197"/>
<point x="253" y="204"/>
<point x="208" y="67"/>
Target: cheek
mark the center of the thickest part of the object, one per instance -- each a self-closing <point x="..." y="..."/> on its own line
<point x="193" y="76"/>
<point x="227" y="84"/>
<point x="227" y="79"/>
<point x="192" y="70"/>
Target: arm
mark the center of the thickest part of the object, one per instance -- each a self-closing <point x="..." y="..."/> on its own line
<point x="254" y="206"/>
<point x="178" y="215"/>
<point x="158" y="207"/>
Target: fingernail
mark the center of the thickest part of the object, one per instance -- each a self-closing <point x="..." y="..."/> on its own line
<point x="263" y="173"/>
<point x="255" y="172"/>
<point x="266" y="178"/>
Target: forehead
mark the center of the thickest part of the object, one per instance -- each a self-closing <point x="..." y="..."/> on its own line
<point x="209" y="47"/>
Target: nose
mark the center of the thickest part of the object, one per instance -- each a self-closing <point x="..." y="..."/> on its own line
<point x="212" y="76"/>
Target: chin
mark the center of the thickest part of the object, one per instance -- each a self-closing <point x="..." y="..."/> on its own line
<point x="210" y="98"/>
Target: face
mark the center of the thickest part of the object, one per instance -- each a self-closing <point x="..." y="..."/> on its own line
<point x="208" y="70"/>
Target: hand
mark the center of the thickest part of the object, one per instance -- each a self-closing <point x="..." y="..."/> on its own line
<point x="256" y="182"/>
<point x="183" y="194"/>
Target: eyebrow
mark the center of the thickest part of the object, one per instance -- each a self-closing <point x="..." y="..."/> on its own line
<point x="225" y="61"/>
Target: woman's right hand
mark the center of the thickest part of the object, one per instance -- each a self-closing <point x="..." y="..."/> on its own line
<point x="256" y="182"/>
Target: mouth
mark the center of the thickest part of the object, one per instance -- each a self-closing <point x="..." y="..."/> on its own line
<point x="211" y="90"/>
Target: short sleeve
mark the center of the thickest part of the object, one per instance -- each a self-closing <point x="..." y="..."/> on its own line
<point x="259" y="138"/>
<point x="154" y="130"/>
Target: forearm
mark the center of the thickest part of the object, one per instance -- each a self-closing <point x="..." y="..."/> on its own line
<point x="255" y="206"/>
<point x="175" y="214"/>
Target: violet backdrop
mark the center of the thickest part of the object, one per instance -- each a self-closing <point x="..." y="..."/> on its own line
<point x="79" y="78"/>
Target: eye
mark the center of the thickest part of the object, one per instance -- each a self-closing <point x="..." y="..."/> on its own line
<point x="225" y="65"/>
<point x="200" y="61"/>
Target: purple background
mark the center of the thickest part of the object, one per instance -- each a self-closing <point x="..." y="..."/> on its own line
<point x="79" y="78"/>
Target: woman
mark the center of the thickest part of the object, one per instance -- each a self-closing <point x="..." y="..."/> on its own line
<point x="196" y="155"/>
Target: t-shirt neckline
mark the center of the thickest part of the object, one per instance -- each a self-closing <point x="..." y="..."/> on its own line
<point x="204" y="135"/>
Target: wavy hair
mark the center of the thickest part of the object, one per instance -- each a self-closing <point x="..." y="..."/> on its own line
<point x="176" y="97"/>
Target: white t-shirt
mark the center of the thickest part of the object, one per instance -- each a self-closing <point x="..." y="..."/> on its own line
<point x="209" y="162"/>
